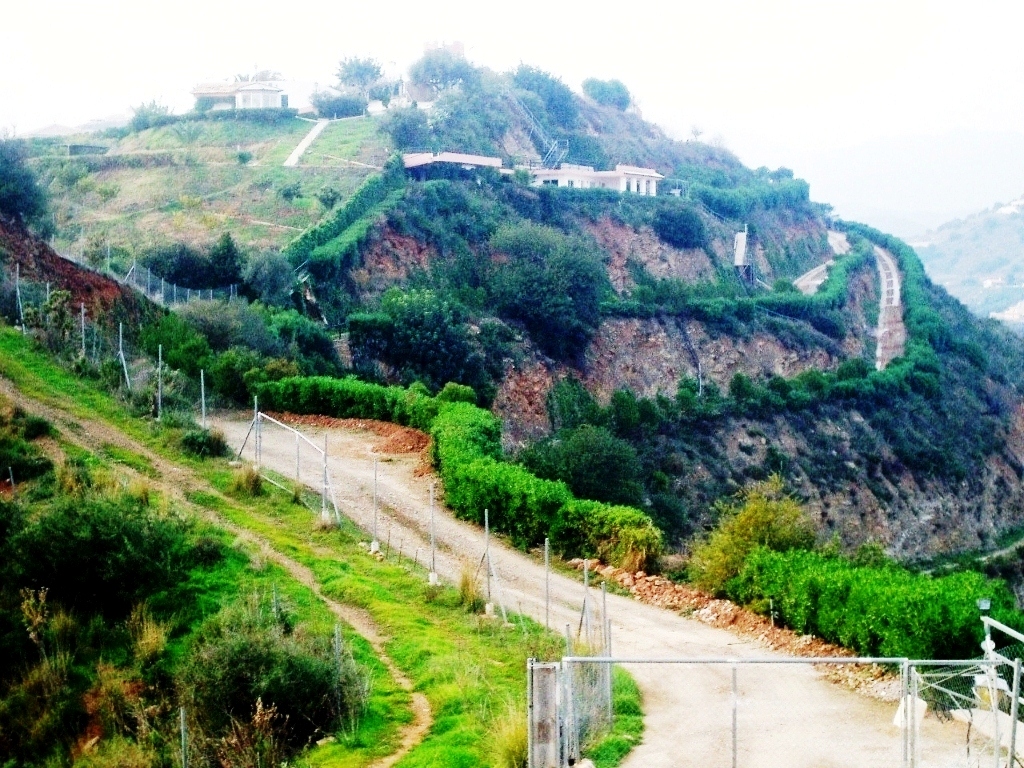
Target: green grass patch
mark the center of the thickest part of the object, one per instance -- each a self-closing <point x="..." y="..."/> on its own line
<point x="628" y="725"/>
<point x="140" y="464"/>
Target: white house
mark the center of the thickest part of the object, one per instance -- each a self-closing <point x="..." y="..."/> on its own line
<point x="247" y="95"/>
<point x="625" y="178"/>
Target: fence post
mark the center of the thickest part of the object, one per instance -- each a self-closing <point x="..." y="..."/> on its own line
<point x="1014" y="710"/>
<point x="159" y="381"/>
<point x="433" y="541"/>
<point x="83" y="329"/>
<point x="529" y="710"/>
<point x="256" y="427"/>
<point x="487" y="554"/>
<point x="904" y="690"/>
<point x="735" y="714"/>
<point x="323" y="493"/>
<point x="202" y="393"/>
<point x="184" y="739"/>
<point x="607" y="632"/>
<point x="586" y="599"/>
<point x="17" y="293"/>
<point x="120" y="354"/>
<point x="375" y="544"/>
<point x="10" y="472"/>
<point x="547" y="583"/>
<point x="298" y="451"/>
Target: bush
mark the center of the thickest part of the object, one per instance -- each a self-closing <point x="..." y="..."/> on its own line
<point x="467" y="450"/>
<point x="336" y="106"/>
<point x="680" y="226"/>
<point x="103" y="554"/>
<point x="204" y="443"/>
<point x="21" y="197"/>
<point x="608" y="93"/>
<point x="762" y="515"/>
<point x="244" y="655"/>
<point x="407" y="127"/>
<point x="875" y="610"/>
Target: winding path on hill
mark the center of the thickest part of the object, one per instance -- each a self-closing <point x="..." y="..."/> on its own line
<point x="178" y="482"/>
<point x="788" y="715"/>
<point x="892" y="334"/>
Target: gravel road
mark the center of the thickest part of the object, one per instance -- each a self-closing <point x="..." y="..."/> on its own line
<point x="787" y="715"/>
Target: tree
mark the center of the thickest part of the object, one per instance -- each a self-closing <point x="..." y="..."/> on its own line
<point x="608" y="93"/>
<point x="407" y="128"/>
<point x="592" y="462"/>
<point x="21" y="197"/>
<point x="149" y="115"/>
<point x="559" y="100"/>
<point x="441" y="69"/>
<point x="225" y="261"/>
<point x="359" y="73"/>
<point x="269" y="276"/>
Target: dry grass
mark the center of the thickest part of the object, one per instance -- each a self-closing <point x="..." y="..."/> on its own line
<point x="141" y="491"/>
<point x="509" y="738"/>
<point x="247" y="482"/>
<point x="470" y="596"/>
<point x="149" y="636"/>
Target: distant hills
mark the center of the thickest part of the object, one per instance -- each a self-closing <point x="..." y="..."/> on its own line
<point x="980" y="260"/>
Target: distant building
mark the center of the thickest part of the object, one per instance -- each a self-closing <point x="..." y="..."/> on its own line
<point x="625" y="178"/>
<point x="244" y="95"/>
<point x="423" y="165"/>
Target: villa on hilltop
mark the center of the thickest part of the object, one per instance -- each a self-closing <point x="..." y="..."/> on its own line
<point x="625" y="178"/>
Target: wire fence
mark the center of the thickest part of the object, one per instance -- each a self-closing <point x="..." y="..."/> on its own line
<point x="154" y="287"/>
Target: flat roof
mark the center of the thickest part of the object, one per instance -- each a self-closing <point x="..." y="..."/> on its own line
<point x="417" y="159"/>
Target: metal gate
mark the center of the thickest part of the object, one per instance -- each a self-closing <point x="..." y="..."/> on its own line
<point x="945" y="714"/>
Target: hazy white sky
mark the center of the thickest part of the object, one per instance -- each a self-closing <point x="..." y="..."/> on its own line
<point x="870" y="101"/>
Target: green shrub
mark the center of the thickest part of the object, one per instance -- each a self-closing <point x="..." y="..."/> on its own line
<point x="204" y="443"/>
<point x="21" y="197"/>
<point x="876" y="611"/>
<point x="330" y="105"/>
<point x="762" y="515"/>
<point x="680" y="226"/>
<point x="608" y="93"/>
<point x="103" y="554"/>
<point x="467" y="450"/>
<point x="244" y="654"/>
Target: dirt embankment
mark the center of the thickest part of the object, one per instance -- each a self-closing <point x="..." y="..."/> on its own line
<point x="391" y="259"/>
<point x="103" y="298"/>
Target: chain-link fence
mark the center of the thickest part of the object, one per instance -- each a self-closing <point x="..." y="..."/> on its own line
<point x="774" y="712"/>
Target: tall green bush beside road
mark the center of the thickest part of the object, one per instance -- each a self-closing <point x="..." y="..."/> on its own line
<point x="467" y="451"/>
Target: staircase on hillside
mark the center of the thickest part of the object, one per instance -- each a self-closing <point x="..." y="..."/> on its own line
<point x="556" y="150"/>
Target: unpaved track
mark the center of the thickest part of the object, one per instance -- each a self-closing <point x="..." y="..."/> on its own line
<point x="789" y="717"/>
<point x="892" y="334"/>
<point x="177" y="482"/>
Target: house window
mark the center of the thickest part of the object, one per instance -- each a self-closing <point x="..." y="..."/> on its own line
<point x="572" y="183"/>
<point x="647" y="187"/>
<point x="550" y="182"/>
<point x="284" y="101"/>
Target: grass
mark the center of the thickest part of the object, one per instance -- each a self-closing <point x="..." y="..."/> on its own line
<point x="353" y="139"/>
<point x="467" y="667"/>
<point x="628" y="725"/>
<point x="140" y="464"/>
<point x="206" y="191"/>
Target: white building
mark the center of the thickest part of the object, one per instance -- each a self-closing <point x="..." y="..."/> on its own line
<point x="625" y="178"/>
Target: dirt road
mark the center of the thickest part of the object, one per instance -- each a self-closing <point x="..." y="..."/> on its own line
<point x="787" y="715"/>
<point x="892" y="334"/>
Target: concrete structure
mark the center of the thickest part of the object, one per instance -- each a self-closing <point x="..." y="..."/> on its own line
<point x="625" y="178"/>
<point x="420" y="164"/>
<point x="250" y="95"/>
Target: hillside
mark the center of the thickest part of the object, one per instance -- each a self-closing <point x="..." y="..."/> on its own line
<point x="597" y="325"/>
<point x="980" y="260"/>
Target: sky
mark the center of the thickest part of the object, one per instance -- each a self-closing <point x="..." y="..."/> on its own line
<point x="900" y="113"/>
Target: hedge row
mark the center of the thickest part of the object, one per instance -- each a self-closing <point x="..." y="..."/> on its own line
<point x="371" y="193"/>
<point x="467" y="451"/>
<point x="875" y="610"/>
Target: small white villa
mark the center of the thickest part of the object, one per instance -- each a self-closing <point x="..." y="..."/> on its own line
<point x="258" y="95"/>
<point x="625" y="178"/>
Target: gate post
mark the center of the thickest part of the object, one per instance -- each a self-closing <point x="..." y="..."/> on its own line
<point x="542" y="709"/>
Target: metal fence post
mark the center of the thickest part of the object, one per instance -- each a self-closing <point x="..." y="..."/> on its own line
<point x="529" y="699"/>
<point x="202" y="394"/>
<point x="735" y="713"/>
<point x="159" y="381"/>
<point x="375" y="544"/>
<point x="1014" y="710"/>
<point x="323" y="494"/>
<point x="83" y="329"/>
<point x="298" y="451"/>
<point x="547" y="583"/>
<point x="184" y="740"/>
<point x="904" y="672"/>
<point x="433" y="541"/>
